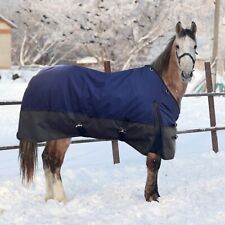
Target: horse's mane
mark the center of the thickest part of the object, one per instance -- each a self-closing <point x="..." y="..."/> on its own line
<point x="161" y="63"/>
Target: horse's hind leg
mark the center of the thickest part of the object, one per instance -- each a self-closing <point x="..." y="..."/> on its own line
<point x="151" y="187"/>
<point x="53" y="156"/>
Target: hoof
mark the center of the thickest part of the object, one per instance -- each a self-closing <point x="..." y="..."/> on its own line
<point x="60" y="197"/>
<point x="152" y="196"/>
<point x="48" y="198"/>
<point x="60" y="200"/>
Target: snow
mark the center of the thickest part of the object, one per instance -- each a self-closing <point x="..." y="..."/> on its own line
<point x="87" y="60"/>
<point x="191" y="186"/>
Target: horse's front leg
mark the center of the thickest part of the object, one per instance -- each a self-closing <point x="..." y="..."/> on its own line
<point x="53" y="156"/>
<point x="151" y="188"/>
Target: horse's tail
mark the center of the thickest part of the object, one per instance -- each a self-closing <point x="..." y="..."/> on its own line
<point x="28" y="160"/>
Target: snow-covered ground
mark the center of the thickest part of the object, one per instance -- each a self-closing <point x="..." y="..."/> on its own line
<point x="192" y="185"/>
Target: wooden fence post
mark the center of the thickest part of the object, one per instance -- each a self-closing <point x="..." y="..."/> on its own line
<point x="115" y="145"/>
<point x="212" y="115"/>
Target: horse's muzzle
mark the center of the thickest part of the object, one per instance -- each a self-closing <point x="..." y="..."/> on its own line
<point x="186" y="77"/>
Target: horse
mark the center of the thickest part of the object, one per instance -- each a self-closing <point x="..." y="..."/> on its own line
<point x="173" y="69"/>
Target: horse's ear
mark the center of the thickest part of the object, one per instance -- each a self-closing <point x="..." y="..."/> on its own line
<point x="193" y="27"/>
<point x="179" y="27"/>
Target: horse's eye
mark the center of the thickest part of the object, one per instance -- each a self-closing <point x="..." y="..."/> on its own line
<point x="177" y="46"/>
<point x="195" y="46"/>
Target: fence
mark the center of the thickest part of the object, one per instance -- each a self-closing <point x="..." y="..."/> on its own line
<point x="115" y="149"/>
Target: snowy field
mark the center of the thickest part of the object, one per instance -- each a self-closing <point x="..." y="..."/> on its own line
<point x="192" y="186"/>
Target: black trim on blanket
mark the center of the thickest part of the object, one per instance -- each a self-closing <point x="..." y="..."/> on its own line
<point x="144" y="138"/>
<point x="139" y="136"/>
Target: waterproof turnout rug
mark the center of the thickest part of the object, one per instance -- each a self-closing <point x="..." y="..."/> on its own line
<point x="68" y="101"/>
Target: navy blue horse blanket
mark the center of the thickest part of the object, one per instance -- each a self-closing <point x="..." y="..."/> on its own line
<point x="68" y="101"/>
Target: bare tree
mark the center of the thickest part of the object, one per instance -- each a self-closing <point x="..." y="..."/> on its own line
<point x="49" y="34"/>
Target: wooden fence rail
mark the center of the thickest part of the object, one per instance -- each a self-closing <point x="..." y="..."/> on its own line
<point x="205" y="94"/>
<point x="78" y="141"/>
<point x="213" y="128"/>
<point x="10" y="103"/>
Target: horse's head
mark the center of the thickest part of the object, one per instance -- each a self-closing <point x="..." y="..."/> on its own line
<point x="185" y="43"/>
